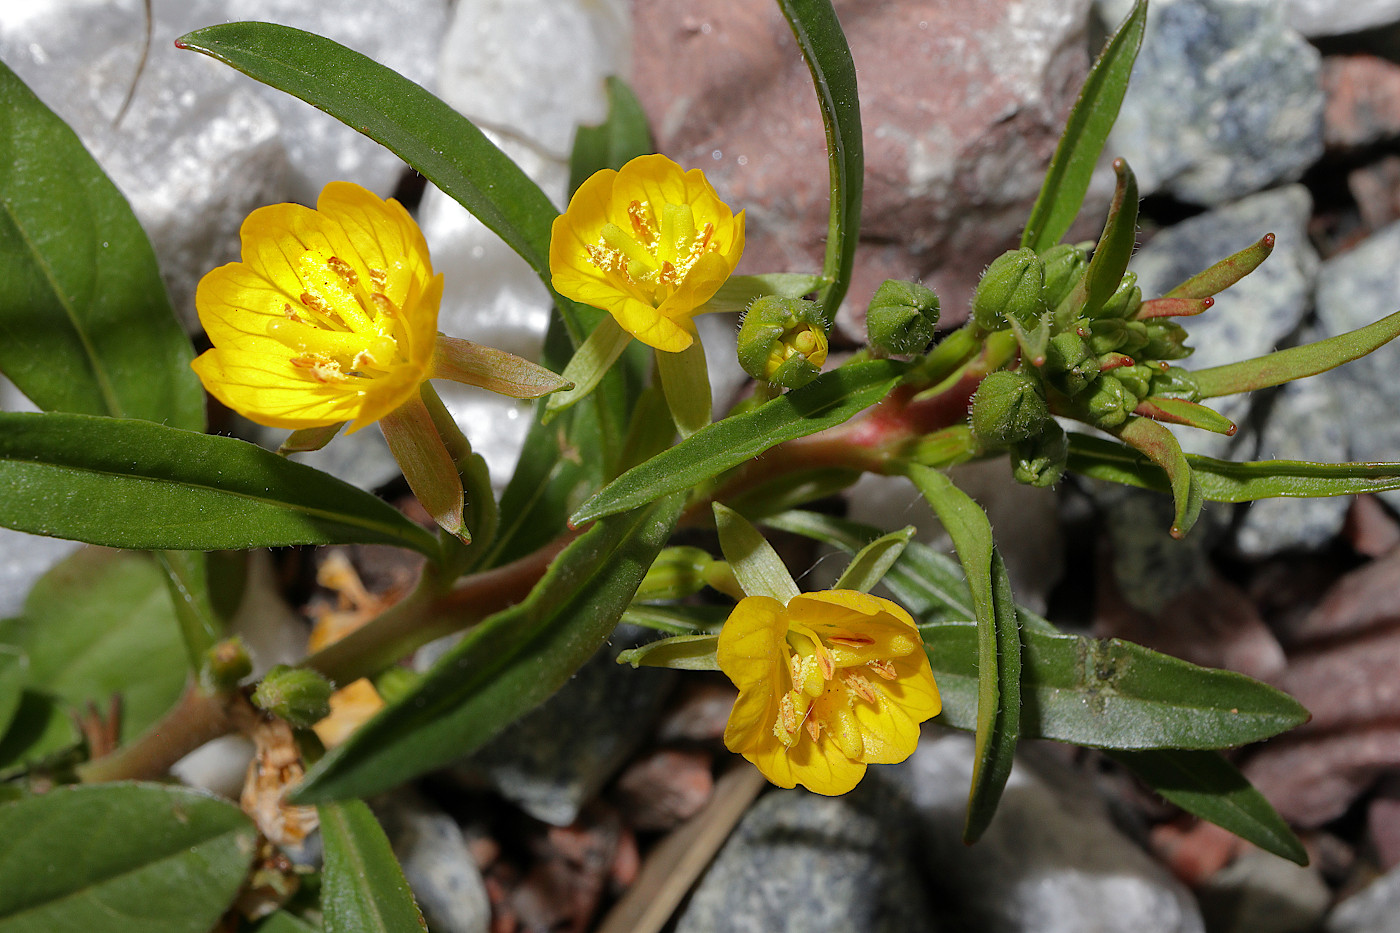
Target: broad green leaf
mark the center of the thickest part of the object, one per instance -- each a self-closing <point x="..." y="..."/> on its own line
<point x="998" y="641"/>
<point x="757" y="567"/>
<point x="1226" y="272"/>
<point x="1228" y="481"/>
<point x="114" y="858"/>
<point x="823" y="44"/>
<point x="363" y="889"/>
<point x="134" y="484"/>
<point x="873" y="561"/>
<point x="1296" y="362"/>
<point x="444" y="146"/>
<point x="14" y="673"/>
<point x="830" y="399"/>
<point x="506" y="665"/>
<point x="102" y="623"/>
<point x="1115" y="246"/>
<point x="1161" y="447"/>
<point x="1205" y="784"/>
<point x="1094" y="113"/>
<point x="622" y="137"/>
<point x="682" y="652"/>
<point x="85" y="322"/>
<point x="42" y="729"/>
<point x="1107" y="693"/>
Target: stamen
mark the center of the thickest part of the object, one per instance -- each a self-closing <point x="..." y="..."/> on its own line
<point x="318" y="367"/>
<point x="851" y="640"/>
<point x="379" y="278"/>
<point x="859" y="686"/>
<point x="814" y="728"/>
<point x="643" y="227"/>
<point x="344" y="270"/>
<point x="884" y="668"/>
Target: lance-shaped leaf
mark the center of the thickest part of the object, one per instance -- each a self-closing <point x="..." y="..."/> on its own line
<point x="1182" y="411"/>
<point x="1297" y="362"/>
<point x="505" y="666"/>
<point x="872" y="562"/>
<point x="1161" y="447"/>
<point x="134" y="484"/>
<point x="1094" y="113"/>
<point x="85" y="322"/>
<point x="113" y="858"/>
<point x="1115" y="246"/>
<point x="495" y="370"/>
<point x="1228" y="481"/>
<point x="1226" y="272"/>
<point x="823" y="45"/>
<point x="830" y="399"/>
<point x="998" y="642"/>
<point x="363" y="889"/>
<point x="757" y="567"/>
<point x="14" y="673"/>
<point x="1173" y="307"/>
<point x="1107" y="693"/>
<point x="1205" y="784"/>
<point x="444" y="146"/>
<point x="681" y="652"/>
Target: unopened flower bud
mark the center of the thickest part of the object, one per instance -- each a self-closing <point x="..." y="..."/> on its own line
<point x="676" y="573"/>
<point x="1065" y="265"/>
<point x="902" y="317"/>
<point x="1010" y="288"/>
<point x="1069" y="365"/>
<point x="1109" y="403"/>
<point x="1136" y="379"/>
<point x="783" y="341"/>
<point x="300" y="696"/>
<point x="1125" y="301"/>
<point x="1008" y="407"/>
<point x="1166" y="340"/>
<point x="1041" y="460"/>
<point x="226" y="664"/>
<point x="1111" y="335"/>
<point x="1175" y="382"/>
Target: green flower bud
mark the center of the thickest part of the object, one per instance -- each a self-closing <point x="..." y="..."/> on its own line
<point x="1010" y="288"/>
<point x="1065" y="265"/>
<point x="1041" y="460"/>
<point x="1110" y="335"/>
<point x="226" y="664"/>
<point x="1166" y="340"/>
<point x="394" y="683"/>
<point x="1175" y="382"/>
<point x="783" y="341"/>
<point x="1008" y="407"/>
<point x="1136" y="379"/>
<point x="902" y="317"/>
<point x="1069" y="366"/>
<point x="1109" y="403"/>
<point x="677" y="572"/>
<point x="1125" y="301"/>
<point x="296" y="694"/>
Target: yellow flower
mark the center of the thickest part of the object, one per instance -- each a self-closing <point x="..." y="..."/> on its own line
<point x="330" y="317"/>
<point x="829" y="683"/>
<point x="649" y="244"/>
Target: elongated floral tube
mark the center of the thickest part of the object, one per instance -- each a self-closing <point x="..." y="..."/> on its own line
<point x="649" y="243"/>
<point x="828" y="684"/>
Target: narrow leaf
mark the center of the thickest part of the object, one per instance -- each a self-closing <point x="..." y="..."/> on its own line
<point x="1094" y="113"/>
<point x="1161" y="447"/>
<point x="14" y="672"/>
<point x="1107" y="693"/>
<point x="830" y="399"/>
<point x="682" y="652"/>
<point x="872" y="562"/>
<point x="427" y="465"/>
<point x="475" y="364"/>
<point x="363" y="889"/>
<point x="823" y="44"/>
<point x="1181" y="411"/>
<point x="1205" y="784"/>
<point x="758" y="568"/>
<point x="622" y="137"/>
<point x="134" y="484"/>
<point x="1297" y="362"/>
<point x="677" y="620"/>
<point x="1226" y="272"/>
<point x="309" y="440"/>
<point x="1173" y="307"/>
<point x="85" y="322"/>
<point x="1115" y="246"/>
<point x="589" y="365"/>
<point x="685" y="380"/>
<point x="112" y="858"/>
<point x="506" y="665"/>
<point x="188" y="584"/>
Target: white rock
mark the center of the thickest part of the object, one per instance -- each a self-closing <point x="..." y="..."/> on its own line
<point x="1317" y="18"/>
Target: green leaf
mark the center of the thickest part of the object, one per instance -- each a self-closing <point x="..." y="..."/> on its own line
<point x="14" y="673"/>
<point x="101" y="623"/>
<point x="187" y="580"/>
<point x="1161" y="447"/>
<point x="1094" y="113"/>
<point x="113" y="858"/>
<point x="830" y="399"/>
<point x="589" y="364"/>
<point x="1107" y="693"/>
<point x="283" y="922"/>
<point x="618" y="140"/>
<point x="504" y="666"/>
<point x="1182" y="411"/>
<point x="677" y="620"/>
<point x="1296" y="362"/>
<point x="874" y="560"/>
<point x="363" y="889"/>
<point x="1227" y="481"/>
<point x="444" y="146"/>
<point x="998" y="642"/>
<point x="1207" y="785"/>
<point x="1115" y="246"/>
<point x="85" y="322"/>
<point x="1226" y="272"/>
<point x="134" y="484"/>
<point x="685" y="381"/>
<point x="823" y="44"/>
<point x="42" y="729"/>
<point x="757" y="567"/>
<point x="682" y="652"/>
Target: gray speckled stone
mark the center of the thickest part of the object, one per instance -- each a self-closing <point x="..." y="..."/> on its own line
<point x="1224" y="99"/>
<point x="1150" y="566"/>
<point x="1316" y="18"/>
<point x="799" y="861"/>
<point x="1373" y="909"/>
<point x="437" y="864"/>
<point x="1262" y="893"/>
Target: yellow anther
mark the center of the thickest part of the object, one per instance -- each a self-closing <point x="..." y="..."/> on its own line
<point x="643" y="226"/>
<point x="858" y="685"/>
<point x="318" y="368"/>
<point x="344" y="270"/>
<point x="814" y="728"/>
<point x="883" y="668"/>
<point x="379" y="278"/>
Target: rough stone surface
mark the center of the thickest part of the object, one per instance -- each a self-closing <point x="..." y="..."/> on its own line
<point x="1375" y="187"/>
<point x="1262" y="893"/>
<point x="1363" y="100"/>
<point x="1373" y="909"/>
<point x="962" y="105"/>
<point x="1355" y="289"/>
<point x="1224" y="99"/>
<point x="437" y="863"/>
<point x="1317" y="18"/>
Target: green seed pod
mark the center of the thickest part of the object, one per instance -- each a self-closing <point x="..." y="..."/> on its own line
<point x="296" y="694"/>
<point x="902" y="317"/>
<point x="1125" y="301"/>
<point x="1109" y="403"/>
<point x="1041" y="460"/>
<point x="1069" y="366"/>
<point x="783" y="341"/>
<point x="1010" y="288"/>
<point x="1008" y="407"/>
<point x="1166" y="340"/>
<point x="225" y="665"/>
<point x="1065" y="265"/>
<point x="1175" y="382"/>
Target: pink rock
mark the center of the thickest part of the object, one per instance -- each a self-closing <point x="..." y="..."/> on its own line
<point x="1376" y="190"/>
<point x="663" y="789"/>
<point x="1347" y="686"/>
<point x="962" y="105"/>
<point x="1362" y="100"/>
<point x="1370" y="527"/>
<point x="1383" y="823"/>
<point x="1312" y="780"/>
<point x="1363" y="600"/>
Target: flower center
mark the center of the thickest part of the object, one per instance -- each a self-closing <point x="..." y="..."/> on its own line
<point x="827" y="682"/>
<point x="654" y="256"/>
<point x="344" y="326"/>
